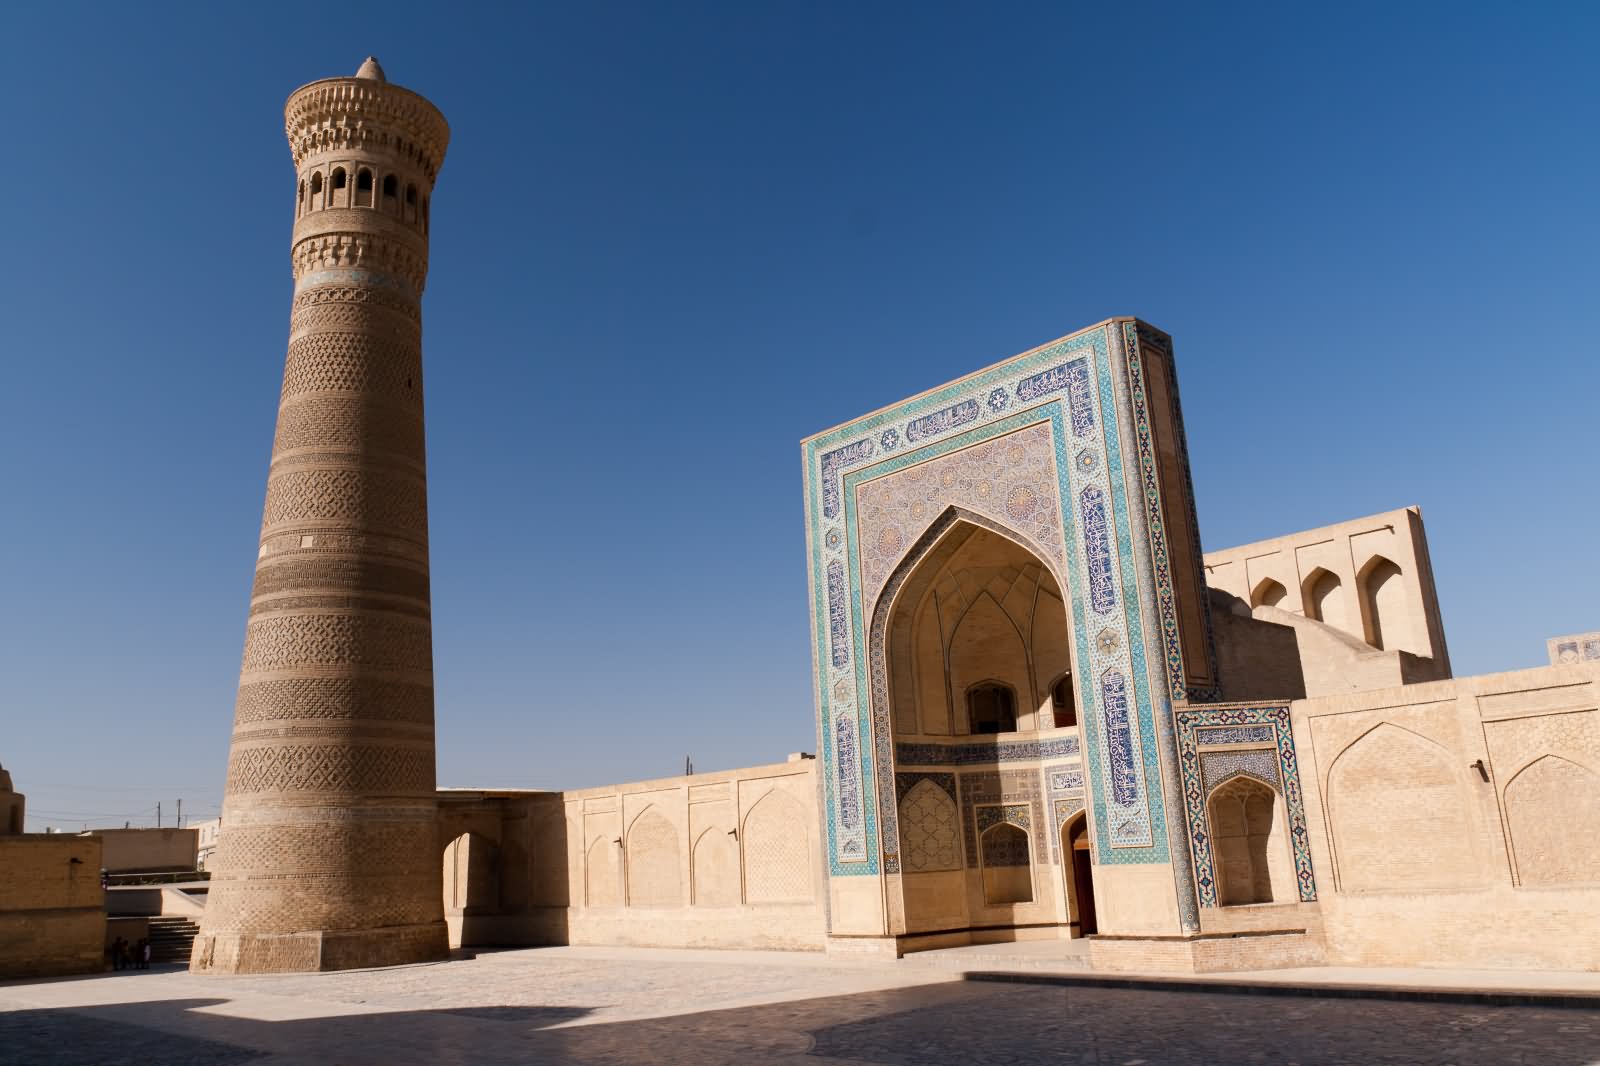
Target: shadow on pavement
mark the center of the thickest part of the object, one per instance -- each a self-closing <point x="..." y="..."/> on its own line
<point x="948" y="1022"/>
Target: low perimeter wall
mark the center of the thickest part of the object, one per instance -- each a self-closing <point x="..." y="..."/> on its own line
<point x="725" y="859"/>
<point x="1457" y="823"/>
<point x="52" y="909"/>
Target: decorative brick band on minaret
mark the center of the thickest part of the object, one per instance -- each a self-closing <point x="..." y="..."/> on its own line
<point x="327" y="857"/>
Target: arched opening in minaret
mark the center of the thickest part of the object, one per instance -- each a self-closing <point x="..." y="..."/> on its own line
<point x="411" y="203"/>
<point x="363" y="187"/>
<point x="391" y="200"/>
<point x="316" y="191"/>
<point x="424" y="216"/>
<point x="300" y="201"/>
<point x="340" y="194"/>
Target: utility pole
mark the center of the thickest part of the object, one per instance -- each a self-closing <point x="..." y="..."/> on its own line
<point x="158" y="814"/>
<point x="180" y="812"/>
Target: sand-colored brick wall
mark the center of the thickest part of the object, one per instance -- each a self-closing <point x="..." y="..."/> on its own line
<point x="727" y="859"/>
<point x="146" y="850"/>
<point x="1457" y="823"/>
<point x="1360" y="596"/>
<point x="52" y="908"/>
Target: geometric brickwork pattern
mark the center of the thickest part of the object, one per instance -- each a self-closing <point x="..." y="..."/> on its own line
<point x="330" y="791"/>
<point x="929" y="837"/>
<point x="777" y="861"/>
<point x="1074" y="394"/>
<point x="652" y="863"/>
<point x="1200" y="763"/>
<point x="334" y="698"/>
<point x="341" y="768"/>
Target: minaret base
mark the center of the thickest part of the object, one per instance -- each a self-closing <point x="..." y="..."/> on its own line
<point x="319" y="950"/>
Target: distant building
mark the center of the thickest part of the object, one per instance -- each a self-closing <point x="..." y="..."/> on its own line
<point x="208" y="831"/>
<point x="1578" y="648"/>
<point x="52" y="907"/>
<point x="147" y="851"/>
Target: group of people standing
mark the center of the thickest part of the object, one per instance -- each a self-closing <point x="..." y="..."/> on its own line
<point x="126" y="956"/>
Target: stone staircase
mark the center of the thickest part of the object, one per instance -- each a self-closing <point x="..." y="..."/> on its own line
<point x="171" y="939"/>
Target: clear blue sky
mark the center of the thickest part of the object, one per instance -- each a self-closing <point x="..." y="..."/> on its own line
<point x="670" y="240"/>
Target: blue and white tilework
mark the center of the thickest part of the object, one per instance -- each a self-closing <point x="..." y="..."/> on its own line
<point x="1069" y="387"/>
<point x="982" y="753"/>
<point x="1203" y="766"/>
<point x="1141" y="343"/>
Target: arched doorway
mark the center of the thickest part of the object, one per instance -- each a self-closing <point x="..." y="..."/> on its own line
<point x="1079" y="869"/>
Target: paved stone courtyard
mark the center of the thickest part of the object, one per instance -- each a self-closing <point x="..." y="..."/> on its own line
<point x="616" y="1006"/>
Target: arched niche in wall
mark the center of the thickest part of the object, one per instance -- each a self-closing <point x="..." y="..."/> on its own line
<point x="470" y="879"/>
<point x="777" y="851"/>
<point x="1326" y="601"/>
<point x="1397" y="815"/>
<point x="930" y="837"/>
<point x="1250" y="841"/>
<point x="716" y="869"/>
<point x="653" y="862"/>
<point x="1552" y="810"/>
<point x="1268" y="593"/>
<point x="972" y="606"/>
<point x="601" y="887"/>
<point x="1003" y="852"/>
<point x="1385" y="615"/>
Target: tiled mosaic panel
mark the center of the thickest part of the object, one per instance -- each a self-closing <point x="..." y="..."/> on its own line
<point x="1010" y="479"/>
<point x="929" y="830"/>
<point x="1217" y="766"/>
<point x="1000" y="789"/>
<point x="1196" y="722"/>
<point x="1190" y="645"/>
<point x="1070" y="384"/>
<point x="970" y="754"/>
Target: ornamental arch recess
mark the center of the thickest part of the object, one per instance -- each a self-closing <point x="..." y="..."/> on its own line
<point x="972" y="605"/>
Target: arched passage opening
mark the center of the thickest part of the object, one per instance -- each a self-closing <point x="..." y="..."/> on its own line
<point x="1076" y="859"/>
<point x="970" y="639"/>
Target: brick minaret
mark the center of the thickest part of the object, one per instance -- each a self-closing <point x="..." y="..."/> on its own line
<point x="327" y="856"/>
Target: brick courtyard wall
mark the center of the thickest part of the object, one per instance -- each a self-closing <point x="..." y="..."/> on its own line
<point x="1457" y="823"/>
<point x="52" y="909"/>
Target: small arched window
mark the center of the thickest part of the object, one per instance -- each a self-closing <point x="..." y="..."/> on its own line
<point x="411" y="203"/>
<point x="390" y="187"/>
<point x="316" y="190"/>
<point x="1066" y="707"/>
<point x="363" y="187"/>
<point x="300" y="199"/>
<point x="991" y="708"/>
<point x="338" y="195"/>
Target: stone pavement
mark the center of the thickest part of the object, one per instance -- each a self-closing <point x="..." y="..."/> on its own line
<point x="558" y="1006"/>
